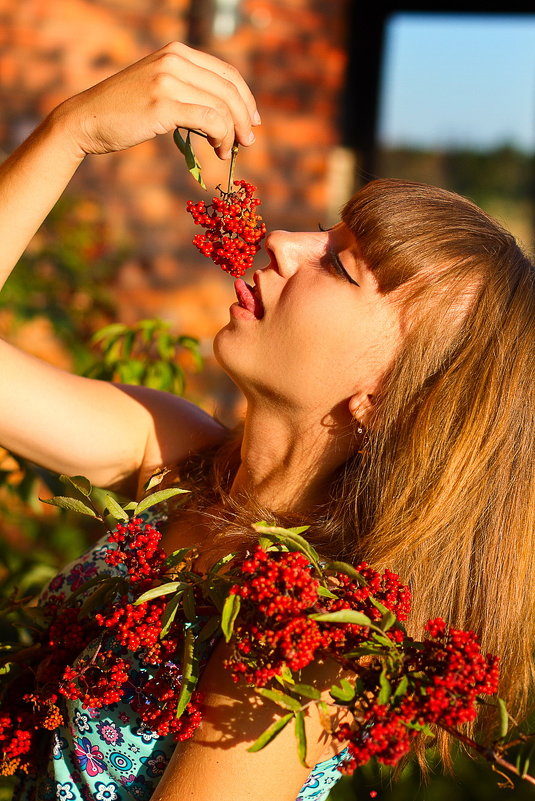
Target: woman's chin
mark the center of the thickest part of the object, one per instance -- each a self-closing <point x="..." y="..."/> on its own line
<point x="228" y="353"/>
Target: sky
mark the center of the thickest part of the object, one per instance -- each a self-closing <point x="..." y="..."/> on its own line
<point x="459" y="80"/>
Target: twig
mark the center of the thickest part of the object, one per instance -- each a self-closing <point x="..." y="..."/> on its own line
<point x="232" y="166"/>
<point x="488" y="753"/>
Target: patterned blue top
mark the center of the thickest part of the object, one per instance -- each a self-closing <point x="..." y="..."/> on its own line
<point x="108" y="754"/>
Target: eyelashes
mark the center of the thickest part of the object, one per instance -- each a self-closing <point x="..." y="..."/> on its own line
<point x="334" y="261"/>
<point x="339" y="267"/>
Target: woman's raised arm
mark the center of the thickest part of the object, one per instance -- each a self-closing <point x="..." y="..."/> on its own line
<point x="64" y="422"/>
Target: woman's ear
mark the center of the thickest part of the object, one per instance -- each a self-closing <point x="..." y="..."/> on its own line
<point x="361" y="407"/>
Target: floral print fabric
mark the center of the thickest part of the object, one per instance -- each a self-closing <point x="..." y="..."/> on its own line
<point x="108" y="754"/>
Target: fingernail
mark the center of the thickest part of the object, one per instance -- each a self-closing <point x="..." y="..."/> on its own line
<point x="225" y="154"/>
<point x="256" y="118"/>
<point x="251" y="138"/>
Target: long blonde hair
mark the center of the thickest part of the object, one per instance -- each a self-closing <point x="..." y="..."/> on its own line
<point x="444" y="493"/>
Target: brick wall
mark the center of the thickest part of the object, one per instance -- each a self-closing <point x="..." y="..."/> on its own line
<point x="292" y="54"/>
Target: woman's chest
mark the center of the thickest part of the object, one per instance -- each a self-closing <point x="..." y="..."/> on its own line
<point x="191" y="530"/>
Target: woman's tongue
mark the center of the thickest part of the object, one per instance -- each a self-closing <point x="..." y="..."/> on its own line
<point x="247" y="299"/>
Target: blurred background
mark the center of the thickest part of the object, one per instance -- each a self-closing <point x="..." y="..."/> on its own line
<point x="437" y="92"/>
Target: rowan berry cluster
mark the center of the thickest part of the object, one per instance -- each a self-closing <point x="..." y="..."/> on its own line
<point x="101" y="677"/>
<point x="447" y="674"/>
<point x="279" y="592"/>
<point x="272" y="630"/>
<point x="434" y="682"/>
<point x="16" y="740"/>
<point x="157" y="704"/>
<point x="454" y="672"/>
<point x="31" y="705"/>
<point x="385" y="588"/>
<point x="138" y="550"/>
<point x="279" y="625"/>
<point x="234" y="230"/>
<point x="135" y="630"/>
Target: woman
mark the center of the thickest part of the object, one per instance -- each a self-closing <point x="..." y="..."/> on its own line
<point x="388" y="372"/>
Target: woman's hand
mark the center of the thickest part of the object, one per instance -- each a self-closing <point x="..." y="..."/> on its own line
<point x="173" y="87"/>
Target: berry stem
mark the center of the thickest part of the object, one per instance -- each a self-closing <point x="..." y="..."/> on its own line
<point x="233" y="158"/>
<point x="489" y="754"/>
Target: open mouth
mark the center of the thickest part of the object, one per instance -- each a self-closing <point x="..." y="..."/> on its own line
<point x="248" y="298"/>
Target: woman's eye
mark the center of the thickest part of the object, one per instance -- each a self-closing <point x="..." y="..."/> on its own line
<point x="335" y="265"/>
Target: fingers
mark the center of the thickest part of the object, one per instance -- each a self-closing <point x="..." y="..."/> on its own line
<point x="201" y="110"/>
<point x="213" y="85"/>
<point x="225" y="71"/>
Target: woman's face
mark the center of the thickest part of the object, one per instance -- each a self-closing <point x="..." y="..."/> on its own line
<point x="321" y="338"/>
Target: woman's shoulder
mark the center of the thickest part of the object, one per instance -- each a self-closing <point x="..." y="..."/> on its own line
<point x="179" y="429"/>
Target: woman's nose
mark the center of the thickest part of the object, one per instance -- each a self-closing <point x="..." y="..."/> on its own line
<point x="291" y="250"/>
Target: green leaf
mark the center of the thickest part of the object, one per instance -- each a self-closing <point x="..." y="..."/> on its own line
<point x="179" y="382"/>
<point x="165" y="345"/>
<point x="348" y="570"/>
<point x="325" y="593"/>
<point x="270" y="733"/>
<point x="169" y="614"/>
<point x="222" y="562"/>
<point x="128" y="343"/>
<point x="296" y="529"/>
<point x="402" y="687"/>
<point x="157" y="497"/>
<point x="386" y="690"/>
<point x="114" y="509"/>
<point x="81" y="483"/>
<point x="131" y="372"/>
<point x="364" y="650"/>
<point x="378" y="605"/>
<point x="36" y="615"/>
<point x="96" y="580"/>
<point x="154" y="480"/>
<point x="280" y="698"/>
<point x="177" y="556"/>
<point x="231" y="607"/>
<point x="524" y="758"/>
<point x="291" y="538"/>
<point x="71" y="504"/>
<point x="421" y="727"/>
<point x="188" y="604"/>
<point x="179" y="141"/>
<point x="209" y="628"/>
<point x="346" y="691"/>
<point x="96" y="599"/>
<point x="343" y="616"/>
<point x="192" y="344"/>
<point x="217" y="593"/>
<point x="387" y="621"/>
<point x="287" y="675"/>
<point x="264" y="542"/>
<point x="504" y="717"/>
<point x="108" y="330"/>
<point x="184" y="145"/>
<point x="189" y="672"/>
<point x="159" y="375"/>
<point x="307" y="690"/>
<point x="162" y="589"/>
<point x="301" y="736"/>
<point x="148" y="327"/>
<point x="383" y="640"/>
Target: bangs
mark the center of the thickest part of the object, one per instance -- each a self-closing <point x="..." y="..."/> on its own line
<point x="414" y="234"/>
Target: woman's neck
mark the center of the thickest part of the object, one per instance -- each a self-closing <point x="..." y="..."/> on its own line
<point x="288" y="460"/>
